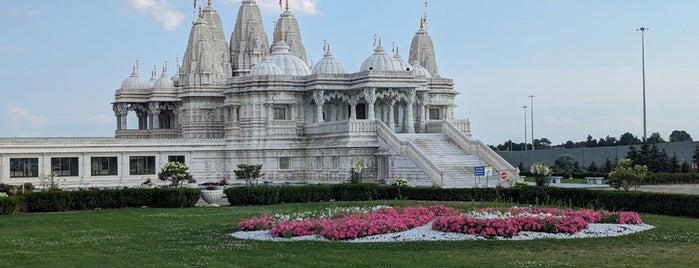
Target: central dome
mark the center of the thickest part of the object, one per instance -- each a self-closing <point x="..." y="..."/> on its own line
<point x="289" y="63"/>
<point x="380" y="61"/>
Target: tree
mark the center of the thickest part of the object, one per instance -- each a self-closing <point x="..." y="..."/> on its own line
<point x="542" y="143"/>
<point x="249" y="172"/>
<point x="590" y="141"/>
<point x="680" y="136"/>
<point x="695" y="156"/>
<point x="592" y="167"/>
<point x="569" y="145"/>
<point x="655" y="138"/>
<point x="601" y="142"/>
<point x="628" y="139"/>
<point x="686" y="167"/>
<point x="565" y="164"/>
<point x="632" y="154"/>
<point x="176" y="172"/>
<point x="610" y="141"/>
<point x="674" y="163"/>
<point x="540" y="171"/>
<point x="608" y="165"/>
<point x="626" y="175"/>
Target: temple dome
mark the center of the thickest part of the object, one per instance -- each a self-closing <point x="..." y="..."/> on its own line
<point x="328" y="65"/>
<point x="380" y="61"/>
<point x="164" y="82"/>
<point x="404" y="66"/>
<point x="289" y="63"/>
<point x="134" y="82"/>
<point x="418" y="70"/>
<point x="265" y="67"/>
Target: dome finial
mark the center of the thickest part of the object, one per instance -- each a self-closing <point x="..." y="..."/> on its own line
<point x="424" y="17"/>
<point x="287" y="5"/>
<point x="376" y="37"/>
<point x="154" y="72"/>
<point x="136" y="66"/>
<point x="201" y="13"/>
<point x="208" y="3"/>
<point x="325" y="45"/>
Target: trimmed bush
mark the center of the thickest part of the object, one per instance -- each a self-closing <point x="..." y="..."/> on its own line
<point x="253" y="195"/>
<point x="12" y="205"/>
<point x="355" y="191"/>
<point x="50" y="201"/>
<point x="306" y="193"/>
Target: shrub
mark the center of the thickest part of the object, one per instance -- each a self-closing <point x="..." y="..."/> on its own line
<point x="12" y="205"/>
<point x="355" y="191"/>
<point x="49" y="201"/>
<point x="253" y="195"/>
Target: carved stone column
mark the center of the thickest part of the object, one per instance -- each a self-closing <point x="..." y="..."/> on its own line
<point x="422" y="100"/>
<point x="409" y="121"/>
<point x="154" y="112"/>
<point x="391" y="124"/>
<point x="353" y="108"/>
<point x="319" y="98"/>
<point x="370" y="97"/>
<point x="121" y="111"/>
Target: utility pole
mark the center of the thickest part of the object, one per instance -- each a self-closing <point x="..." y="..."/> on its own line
<point x="531" y="107"/>
<point x="643" y="69"/>
<point x="525" y="126"/>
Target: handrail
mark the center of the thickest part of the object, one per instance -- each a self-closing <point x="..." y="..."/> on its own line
<point x="469" y="145"/>
<point x="412" y="151"/>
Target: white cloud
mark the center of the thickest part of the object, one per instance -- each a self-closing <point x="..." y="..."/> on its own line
<point x="99" y="119"/>
<point x="20" y="117"/>
<point x="26" y="15"/>
<point x="306" y="7"/>
<point x="161" y="11"/>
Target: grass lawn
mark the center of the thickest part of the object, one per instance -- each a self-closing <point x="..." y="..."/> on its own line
<point x="198" y="237"/>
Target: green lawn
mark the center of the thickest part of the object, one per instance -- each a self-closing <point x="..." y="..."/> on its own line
<point x="198" y="237"/>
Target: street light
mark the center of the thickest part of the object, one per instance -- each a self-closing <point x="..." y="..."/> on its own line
<point x="643" y="68"/>
<point x="532" y="111"/>
<point x="525" y="126"/>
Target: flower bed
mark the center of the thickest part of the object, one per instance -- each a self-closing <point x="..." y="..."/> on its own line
<point x="351" y="223"/>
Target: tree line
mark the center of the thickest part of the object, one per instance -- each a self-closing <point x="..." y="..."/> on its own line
<point x="623" y="140"/>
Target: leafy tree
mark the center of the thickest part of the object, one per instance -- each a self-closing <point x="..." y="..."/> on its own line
<point x="565" y="163"/>
<point x="628" y="139"/>
<point x="542" y="143"/>
<point x="249" y="172"/>
<point x="540" y="171"/>
<point x="590" y="141"/>
<point x="601" y="142"/>
<point x="655" y="138"/>
<point x="610" y="141"/>
<point x="680" y="136"/>
<point x="175" y="172"/>
<point x="626" y="175"/>
<point x="569" y="145"/>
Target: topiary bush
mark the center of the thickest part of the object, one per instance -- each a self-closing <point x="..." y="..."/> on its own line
<point x="253" y="195"/>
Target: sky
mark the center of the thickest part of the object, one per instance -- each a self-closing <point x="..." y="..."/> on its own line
<point x="61" y="61"/>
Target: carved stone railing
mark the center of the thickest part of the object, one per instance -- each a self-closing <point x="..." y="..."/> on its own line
<point x="411" y="150"/>
<point x="475" y="147"/>
<point x="148" y="134"/>
<point x="344" y="126"/>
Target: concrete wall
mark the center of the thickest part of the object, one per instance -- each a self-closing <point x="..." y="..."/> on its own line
<point x="585" y="156"/>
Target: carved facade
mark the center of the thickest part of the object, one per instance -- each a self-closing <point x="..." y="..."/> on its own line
<point x="247" y="102"/>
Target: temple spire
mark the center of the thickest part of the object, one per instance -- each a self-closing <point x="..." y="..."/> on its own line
<point x="287" y="5"/>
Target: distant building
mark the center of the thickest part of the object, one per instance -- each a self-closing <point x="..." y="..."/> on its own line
<point x="246" y="102"/>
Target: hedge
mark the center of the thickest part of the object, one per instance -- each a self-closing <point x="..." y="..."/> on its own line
<point x="647" y="202"/>
<point x="50" y="201"/>
<point x="665" y="178"/>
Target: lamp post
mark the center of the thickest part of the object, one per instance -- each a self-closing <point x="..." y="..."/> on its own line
<point x="643" y="69"/>
<point x="531" y="106"/>
<point x="525" y="126"/>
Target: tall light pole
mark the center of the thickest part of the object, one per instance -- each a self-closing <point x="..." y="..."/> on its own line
<point x="525" y="126"/>
<point x="531" y="107"/>
<point x="643" y="68"/>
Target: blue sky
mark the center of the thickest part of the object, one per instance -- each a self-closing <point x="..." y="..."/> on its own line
<point x="63" y="60"/>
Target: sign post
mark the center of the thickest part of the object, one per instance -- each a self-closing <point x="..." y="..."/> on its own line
<point x="478" y="172"/>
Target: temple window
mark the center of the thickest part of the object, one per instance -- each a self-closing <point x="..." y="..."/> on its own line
<point x="65" y="166"/>
<point x="434" y="114"/>
<point x="176" y="158"/>
<point x="280" y="113"/>
<point x="24" y="167"/>
<point x="104" y="166"/>
<point x="284" y="163"/>
<point x="142" y="165"/>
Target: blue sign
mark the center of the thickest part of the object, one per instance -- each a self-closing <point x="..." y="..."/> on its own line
<point x="479" y="171"/>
